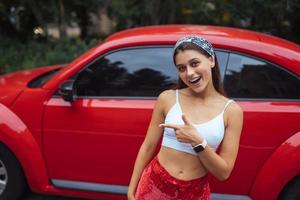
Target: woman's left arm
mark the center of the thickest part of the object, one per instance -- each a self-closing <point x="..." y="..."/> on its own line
<point x="221" y="165"/>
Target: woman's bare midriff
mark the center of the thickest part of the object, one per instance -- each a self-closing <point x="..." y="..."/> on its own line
<point x="181" y="165"/>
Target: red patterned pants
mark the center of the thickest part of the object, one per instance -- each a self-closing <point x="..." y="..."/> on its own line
<point x="157" y="184"/>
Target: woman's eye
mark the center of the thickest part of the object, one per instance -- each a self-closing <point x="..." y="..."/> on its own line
<point x="181" y="68"/>
<point x="194" y="64"/>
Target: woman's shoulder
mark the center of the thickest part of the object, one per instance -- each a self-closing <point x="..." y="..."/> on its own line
<point x="226" y="100"/>
<point x="166" y="95"/>
<point x="231" y="106"/>
<point x="234" y="109"/>
<point x="166" y="99"/>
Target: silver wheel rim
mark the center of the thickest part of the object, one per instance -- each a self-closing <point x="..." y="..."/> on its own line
<point x="3" y="177"/>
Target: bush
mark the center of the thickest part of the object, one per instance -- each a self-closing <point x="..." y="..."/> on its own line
<point x="16" y="56"/>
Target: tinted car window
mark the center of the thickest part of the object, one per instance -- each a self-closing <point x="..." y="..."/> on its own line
<point x="136" y="72"/>
<point x="247" y="77"/>
<point x="42" y="79"/>
<point x="143" y="72"/>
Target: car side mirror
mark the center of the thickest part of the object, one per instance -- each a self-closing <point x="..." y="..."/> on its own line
<point x="66" y="90"/>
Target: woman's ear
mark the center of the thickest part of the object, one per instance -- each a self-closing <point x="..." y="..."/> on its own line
<point x="212" y="61"/>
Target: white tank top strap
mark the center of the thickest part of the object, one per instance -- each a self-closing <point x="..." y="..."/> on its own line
<point x="227" y="103"/>
<point x="177" y="98"/>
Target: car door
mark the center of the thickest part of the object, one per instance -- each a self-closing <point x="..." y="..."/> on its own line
<point x="92" y="143"/>
<point x="269" y="95"/>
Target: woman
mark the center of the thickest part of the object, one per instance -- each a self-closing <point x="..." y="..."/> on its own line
<point x="190" y="140"/>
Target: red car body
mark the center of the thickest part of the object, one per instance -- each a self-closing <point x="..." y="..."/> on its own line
<point x="93" y="142"/>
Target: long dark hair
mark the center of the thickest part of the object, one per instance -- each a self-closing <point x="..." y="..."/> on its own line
<point x="216" y="77"/>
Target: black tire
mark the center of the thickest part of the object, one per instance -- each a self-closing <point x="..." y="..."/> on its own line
<point x="291" y="190"/>
<point x="13" y="176"/>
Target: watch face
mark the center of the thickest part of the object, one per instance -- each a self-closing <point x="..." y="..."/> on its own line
<point x="198" y="149"/>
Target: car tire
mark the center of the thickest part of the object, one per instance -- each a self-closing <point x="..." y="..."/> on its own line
<point x="12" y="179"/>
<point x="291" y="191"/>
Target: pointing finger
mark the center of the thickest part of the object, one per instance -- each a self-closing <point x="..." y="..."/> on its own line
<point x="174" y="126"/>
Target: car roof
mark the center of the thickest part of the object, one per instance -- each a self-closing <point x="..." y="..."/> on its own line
<point x="271" y="48"/>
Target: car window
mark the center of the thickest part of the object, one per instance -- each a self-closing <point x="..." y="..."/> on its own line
<point x="39" y="81"/>
<point x="133" y="72"/>
<point x="248" y="77"/>
<point x="222" y="58"/>
<point x="136" y="72"/>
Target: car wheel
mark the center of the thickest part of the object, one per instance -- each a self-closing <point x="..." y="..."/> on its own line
<point x="12" y="181"/>
<point x="291" y="191"/>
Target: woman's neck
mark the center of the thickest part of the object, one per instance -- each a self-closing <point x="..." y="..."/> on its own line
<point x="206" y="94"/>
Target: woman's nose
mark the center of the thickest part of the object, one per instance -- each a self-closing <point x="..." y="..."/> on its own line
<point x="189" y="71"/>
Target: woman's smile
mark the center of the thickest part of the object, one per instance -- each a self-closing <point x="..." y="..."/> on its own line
<point x="195" y="81"/>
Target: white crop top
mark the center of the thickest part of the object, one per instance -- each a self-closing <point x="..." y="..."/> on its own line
<point x="212" y="130"/>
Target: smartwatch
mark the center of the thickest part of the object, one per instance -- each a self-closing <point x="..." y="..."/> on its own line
<point x="200" y="147"/>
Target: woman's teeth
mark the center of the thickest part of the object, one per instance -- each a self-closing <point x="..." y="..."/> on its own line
<point x="196" y="80"/>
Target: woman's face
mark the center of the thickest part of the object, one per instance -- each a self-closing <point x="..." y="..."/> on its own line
<point x="194" y="69"/>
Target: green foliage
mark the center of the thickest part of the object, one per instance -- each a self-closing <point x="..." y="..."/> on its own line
<point x="277" y="17"/>
<point x="17" y="56"/>
<point x="133" y="13"/>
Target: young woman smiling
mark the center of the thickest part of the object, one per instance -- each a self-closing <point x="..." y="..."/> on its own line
<point x="194" y="120"/>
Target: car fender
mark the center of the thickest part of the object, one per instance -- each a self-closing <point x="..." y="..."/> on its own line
<point x="281" y="167"/>
<point x="15" y="135"/>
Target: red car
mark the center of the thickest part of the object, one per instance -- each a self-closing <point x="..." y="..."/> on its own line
<point x="75" y="129"/>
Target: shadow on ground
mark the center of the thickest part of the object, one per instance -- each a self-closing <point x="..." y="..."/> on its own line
<point x="32" y="196"/>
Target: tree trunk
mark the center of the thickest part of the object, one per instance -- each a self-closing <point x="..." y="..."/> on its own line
<point x="62" y="22"/>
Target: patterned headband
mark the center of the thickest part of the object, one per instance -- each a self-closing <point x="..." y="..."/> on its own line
<point x="198" y="41"/>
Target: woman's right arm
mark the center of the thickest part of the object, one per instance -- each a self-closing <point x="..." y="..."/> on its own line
<point x="149" y="145"/>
